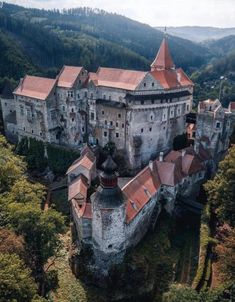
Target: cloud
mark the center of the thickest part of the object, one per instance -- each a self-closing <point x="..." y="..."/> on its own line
<point x="155" y="12"/>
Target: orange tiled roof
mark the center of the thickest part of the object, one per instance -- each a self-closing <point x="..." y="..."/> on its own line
<point x="86" y="211"/>
<point x="118" y="78"/>
<point x="68" y="76"/>
<point x="35" y="87"/>
<point x="163" y="59"/>
<point x="172" y="78"/>
<point x="78" y="186"/>
<point x="139" y="191"/>
<point x="86" y="161"/>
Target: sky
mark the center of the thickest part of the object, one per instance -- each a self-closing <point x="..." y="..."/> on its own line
<point x="218" y="13"/>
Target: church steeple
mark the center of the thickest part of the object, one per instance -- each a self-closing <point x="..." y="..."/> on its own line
<point x="163" y="59"/>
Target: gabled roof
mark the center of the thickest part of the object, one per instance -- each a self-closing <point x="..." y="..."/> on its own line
<point x="35" y="87"/>
<point x="163" y="59"/>
<point x="68" y="76"/>
<point x="78" y="186"/>
<point x="139" y="191"/>
<point x="118" y="78"/>
<point x="169" y="173"/>
<point x="86" y="161"/>
<point x="86" y="210"/>
<point x="172" y="78"/>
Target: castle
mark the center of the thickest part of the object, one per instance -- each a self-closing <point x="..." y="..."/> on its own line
<point x="112" y="219"/>
<point x="141" y="112"/>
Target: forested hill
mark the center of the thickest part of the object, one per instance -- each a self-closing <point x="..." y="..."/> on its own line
<point x="220" y="73"/>
<point x="39" y="41"/>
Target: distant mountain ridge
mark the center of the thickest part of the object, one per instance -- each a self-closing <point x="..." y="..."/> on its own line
<point x="199" y="33"/>
<point x="43" y="41"/>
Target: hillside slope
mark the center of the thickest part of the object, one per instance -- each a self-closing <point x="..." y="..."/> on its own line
<point x="199" y="33"/>
<point x="50" y="39"/>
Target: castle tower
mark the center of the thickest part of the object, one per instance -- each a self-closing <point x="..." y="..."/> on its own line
<point x="108" y="224"/>
<point x="163" y="60"/>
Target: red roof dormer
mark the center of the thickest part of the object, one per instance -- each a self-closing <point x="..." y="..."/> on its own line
<point x="163" y="60"/>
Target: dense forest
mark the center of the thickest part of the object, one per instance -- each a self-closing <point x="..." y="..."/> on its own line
<point x="40" y="42"/>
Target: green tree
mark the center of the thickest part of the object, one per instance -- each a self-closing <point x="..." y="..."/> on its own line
<point x="221" y="190"/>
<point x="16" y="284"/>
<point x="11" y="166"/>
<point x="180" y="293"/>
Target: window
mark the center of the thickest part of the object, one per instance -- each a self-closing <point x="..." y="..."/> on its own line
<point x="63" y="108"/>
<point x="117" y="124"/>
<point x="21" y="110"/>
<point x="85" y="94"/>
<point x="83" y="129"/>
<point x="111" y="123"/>
<point x="187" y="107"/>
<point x="40" y="133"/>
<point x="144" y="84"/>
<point x="105" y="122"/>
<point x="102" y="112"/>
<point x="123" y="125"/>
<point x="152" y="84"/>
<point x="80" y="82"/>
<point x="142" y="130"/>
<point x="92" y="116"/>
<point x="119" y="115"/>
<point x="32" y="131"/>
<point x="142" y="102"/>
<point x="78" y="96"/>
<point x="104" y="97"/>
<point x="92" y="96"/>
<point x="105" y="134"/>
<point x="72" y="119"/>
<point x="150" y="129"/>
<point x="24" y="128"/>
<point x="6" y="104"/>
<point x="117" y="134"/>
<point x="218" y="125"/>
<point x="151" y="117"/>
<point x="72" y="110"/>
<point x="152" y="101"/>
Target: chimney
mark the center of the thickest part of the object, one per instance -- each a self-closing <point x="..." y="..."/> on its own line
<point x="151" y="165"/>
<point x="161" y="156"/>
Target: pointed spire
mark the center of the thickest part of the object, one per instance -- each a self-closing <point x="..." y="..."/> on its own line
<point x="163" y="59"/>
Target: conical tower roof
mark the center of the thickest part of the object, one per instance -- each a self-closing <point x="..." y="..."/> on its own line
<point x="163" y="59"/>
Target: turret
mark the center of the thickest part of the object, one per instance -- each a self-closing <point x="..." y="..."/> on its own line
<point x="108" y="224"/>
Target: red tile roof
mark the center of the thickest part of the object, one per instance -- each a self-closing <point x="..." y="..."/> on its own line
<point x="139" y="191"/>
<point x="86" y="161"/>
<point x="86" y="210"/>
<point x="163" y="59"/>
<point x="172" y="78"/>
<point x="118" y="78"/>
<point x="78" y="186"/>
<point x="68" y="76"/>
<point x="35" y="87"/>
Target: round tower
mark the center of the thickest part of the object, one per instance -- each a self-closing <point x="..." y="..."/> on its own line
<point x="108" y="223"/>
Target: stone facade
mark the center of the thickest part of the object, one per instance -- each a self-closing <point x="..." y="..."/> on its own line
<point x="141" y="112"/>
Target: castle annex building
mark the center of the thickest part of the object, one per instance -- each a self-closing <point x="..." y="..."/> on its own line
<point x="141" y="112"/>
<point x="113" y="218"/>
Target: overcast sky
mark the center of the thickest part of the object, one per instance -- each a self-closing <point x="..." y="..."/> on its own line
<point x="220" y="13"/>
